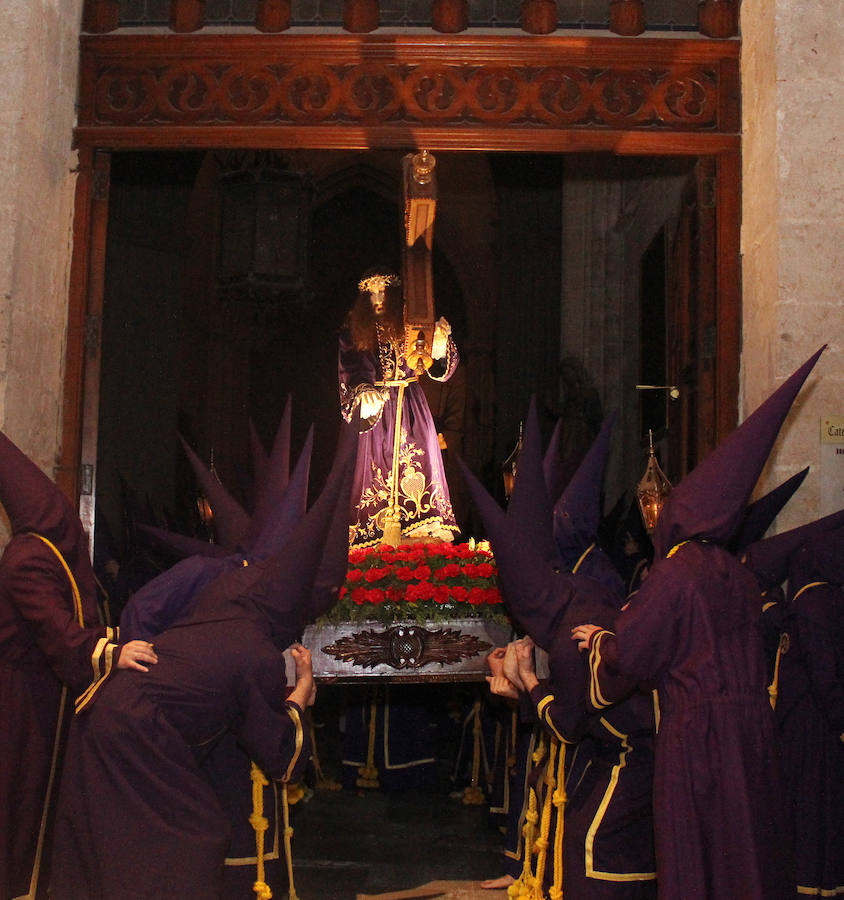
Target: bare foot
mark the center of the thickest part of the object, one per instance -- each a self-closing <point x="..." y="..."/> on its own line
<point x="495" y="884"/>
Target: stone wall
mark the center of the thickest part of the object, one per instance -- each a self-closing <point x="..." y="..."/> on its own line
<point x="793" y="225"/>
<point x="38" y="76"/>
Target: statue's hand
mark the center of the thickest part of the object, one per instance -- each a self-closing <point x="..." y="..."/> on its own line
<point x="371" y="403"/>
<point x="439" y="345"/>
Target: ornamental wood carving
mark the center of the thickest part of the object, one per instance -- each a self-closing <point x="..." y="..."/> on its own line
<point x="400" y="83"/>
<point x="406" y="647"/>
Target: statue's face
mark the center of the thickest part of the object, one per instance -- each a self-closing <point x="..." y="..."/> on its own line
<point x="377" y="299"/>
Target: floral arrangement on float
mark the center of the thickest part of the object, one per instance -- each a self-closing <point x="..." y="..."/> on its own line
<point x="419" y="582"/>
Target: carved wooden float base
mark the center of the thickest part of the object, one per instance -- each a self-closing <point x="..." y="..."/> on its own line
<point x="404" y="651"/>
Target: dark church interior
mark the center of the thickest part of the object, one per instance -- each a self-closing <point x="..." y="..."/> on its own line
<point x="229" y="273"/>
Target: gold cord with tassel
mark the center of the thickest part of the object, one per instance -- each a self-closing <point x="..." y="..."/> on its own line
<point x="556" y="892"/>
<point x="259" y="823"/>
<point x="522" y="888"/>
<point x="545" y="823"/>
<point x="369" y="773"/>
<point x="473" y="794"/>
<point x="288" y="847"/>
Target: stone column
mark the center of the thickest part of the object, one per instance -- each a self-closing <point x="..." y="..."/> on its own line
<point x="793" y="225"/>
<point x="38" y="75"/>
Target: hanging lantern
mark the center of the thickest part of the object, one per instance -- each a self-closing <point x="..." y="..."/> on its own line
<point x="203" y="507"/>
<point x="652" y="490"/>
<point x="264" y="231"/>
<point x="510" y="465"/>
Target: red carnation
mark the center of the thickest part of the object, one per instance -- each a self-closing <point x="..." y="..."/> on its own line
<point x="440" y="594"/>
<point x="377" y="574"/>
<point x="403" y="573"/>
<point x="354" y="575"/>
<point x="477" y="596"/>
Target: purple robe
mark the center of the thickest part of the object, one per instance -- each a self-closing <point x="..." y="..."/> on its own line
<point x="810" y="714"/>
<point x="135" y="808"/>
<point x="423" y="494"/>
<point x="608" y="838"/>
<point x="42" y="649"/>
<point x="693" y="631"/>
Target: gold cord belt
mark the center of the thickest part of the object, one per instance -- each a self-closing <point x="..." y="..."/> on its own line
<point x="402" y="382"/>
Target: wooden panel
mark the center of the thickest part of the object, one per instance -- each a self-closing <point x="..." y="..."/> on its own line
<point x="444" y="651"/>
<point x="727" y="290"/>
<point x="470" y="93"/>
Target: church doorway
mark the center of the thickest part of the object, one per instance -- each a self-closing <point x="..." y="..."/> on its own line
<point x="569" y="278"/>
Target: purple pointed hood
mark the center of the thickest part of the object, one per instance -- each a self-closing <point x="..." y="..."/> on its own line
<point x="529" y="507"/>
<point x="821" y="558"/>
<point x="760" y="515"/>
<point x="577" y="512"/>
<point x="33" y="502"/>
<point x="769" y="558"/>
<point x="552" y="466"/>
<point x="271" y="482"/>
<point x="531" y="573"/>
<point x="230" y="519"/>
<point x="708" y="504"/>
<point x="288" y="508"/>
<point x="294" y="586"/>
<point x="172" y="595"/>
<point x="180" y="546"/>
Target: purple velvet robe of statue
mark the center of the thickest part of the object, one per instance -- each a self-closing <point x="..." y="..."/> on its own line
<point x="42" y="648"/>
<point x="136" y="815"/>
<point x="693" y="631"/>
<point x="423" y="491"/>
<point x="810" y="714"/>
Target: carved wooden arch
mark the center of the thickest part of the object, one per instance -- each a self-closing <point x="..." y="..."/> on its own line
<point x="557" y="93"/>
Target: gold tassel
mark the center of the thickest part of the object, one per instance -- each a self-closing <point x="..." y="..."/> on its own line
<point x="545" y="824"/>
<point x="259" y="822"/>
<point x="369" y="773"/>
<point x="556" y="892"/>
<point x="288" y="847"/>
<point x="773" y="687"/>
<point x="473" y="795"/>
<point x="523" y="886"/>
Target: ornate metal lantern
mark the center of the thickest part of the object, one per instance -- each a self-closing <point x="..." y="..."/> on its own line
<point x="264" y="232"/>
<point x="652" y="490"/>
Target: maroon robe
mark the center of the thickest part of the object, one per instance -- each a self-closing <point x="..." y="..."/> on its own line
<point x="608" y="847"/>
<point x="42" y="649"/>
<point x="810" y="713"/>
<point x="693" y="632"/>
<point x="136" y="812"/>
<point x="423" y="493"/>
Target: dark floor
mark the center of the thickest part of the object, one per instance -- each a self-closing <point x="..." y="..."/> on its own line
<point x="353" y="841"/>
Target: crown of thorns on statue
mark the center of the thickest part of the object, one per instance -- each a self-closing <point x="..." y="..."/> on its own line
<point x="378" y="282"/>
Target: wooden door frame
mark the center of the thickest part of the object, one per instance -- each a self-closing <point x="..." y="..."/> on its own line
<point x="527" y="93"/>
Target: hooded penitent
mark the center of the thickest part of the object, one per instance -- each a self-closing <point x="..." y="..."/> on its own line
<point x="769" y="558"/>
<point x="236" y="529"/>
<point x="302" y="579"/>
<point x="760" y="515"/>
<point x="36" y="504"/>
<point x="170" y="596"/>
<point x="820" y="558"/>
<point x="709" y="503"/>
<point x="577" y="515"/>
<point x="533" y="577"/>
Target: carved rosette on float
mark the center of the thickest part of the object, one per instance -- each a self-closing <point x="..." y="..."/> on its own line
<point x="404" y="651"/>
